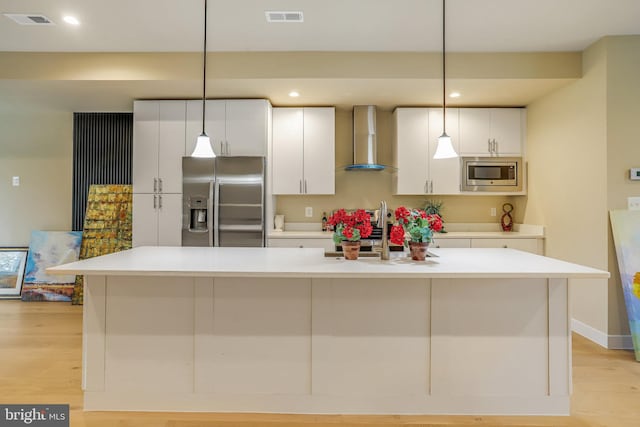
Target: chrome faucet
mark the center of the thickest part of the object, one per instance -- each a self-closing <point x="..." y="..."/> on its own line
<point x="382" y="222"/>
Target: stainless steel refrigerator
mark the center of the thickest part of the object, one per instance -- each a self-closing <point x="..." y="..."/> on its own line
<point x="223" y="201"/>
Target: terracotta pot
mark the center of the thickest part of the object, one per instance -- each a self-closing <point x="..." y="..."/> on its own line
<point x="351" y="249"/>
<point x="418" y="250"/>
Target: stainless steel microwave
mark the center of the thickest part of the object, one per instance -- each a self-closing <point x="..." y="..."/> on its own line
<point x="498" y="174"/>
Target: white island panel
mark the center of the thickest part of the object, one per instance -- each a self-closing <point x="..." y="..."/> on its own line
<point x="482" y="329"/>
<point x="149" y="334"/>
<point x="371" y="337"/>
<point x="260" y="339"/>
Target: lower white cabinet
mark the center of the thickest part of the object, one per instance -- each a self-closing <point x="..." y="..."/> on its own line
<point x="451" y="243"/>
<point x="525" y="244"/>
<point x="157" y="220"/>
<point x="326" y="244"/>
<point x="532" y="245"/>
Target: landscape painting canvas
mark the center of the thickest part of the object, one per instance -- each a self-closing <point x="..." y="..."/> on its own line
<point x="12" y="264"/>
<point x="47" y="249"/>
<point x="107" y="226"/>
<point x="625" y="226"/>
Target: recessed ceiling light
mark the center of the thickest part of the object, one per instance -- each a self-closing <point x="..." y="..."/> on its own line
<point x="71" y="20"/>
<point x="454" y="95"/>
<point x="29" y="19"/>
<point x="294" y="94"/>
<point x="284" y="16"/>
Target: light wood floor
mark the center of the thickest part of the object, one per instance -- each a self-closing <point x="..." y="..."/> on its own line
<point x="40" y="363"/>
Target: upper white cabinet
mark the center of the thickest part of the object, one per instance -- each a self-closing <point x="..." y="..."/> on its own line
<point x="416" y="132"/>
<point x="303" y="152"/>
<point x="236" y="127"/>
<point x="158" y="146"/>
<point x="492" y="131"/>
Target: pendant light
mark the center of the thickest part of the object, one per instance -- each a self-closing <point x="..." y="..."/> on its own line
<point x="445" y="148"/>
<point x="203" y="143"/>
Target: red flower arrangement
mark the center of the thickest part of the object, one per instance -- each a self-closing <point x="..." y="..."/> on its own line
<point x="414" y="225"/>
<point x="350" y="226"/>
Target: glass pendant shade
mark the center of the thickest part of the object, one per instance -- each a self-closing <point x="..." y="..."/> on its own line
<point x="445" y="148"/>
<point x="203" y="147"/>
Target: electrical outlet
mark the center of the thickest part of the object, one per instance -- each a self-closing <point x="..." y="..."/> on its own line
<point x="308" y="211"/>
<point x="633" y="203"/>
<point x="493" y="211"/>
<point x="15" y="181"/>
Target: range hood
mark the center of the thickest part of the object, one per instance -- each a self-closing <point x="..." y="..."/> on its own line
<point x="364" y="139"/>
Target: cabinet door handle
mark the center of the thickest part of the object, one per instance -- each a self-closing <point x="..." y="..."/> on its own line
<point x="489" y="145"/>
<point x="305" y="186"/>
<point x="226" y="149"/>
<point x="426" y="186"/>
<point x="495" y="146"/>
<point x="160" y="202"/>
<point x="155" y="185"/>
<point x="155" y="201"/>
<point x="300" y="186"/>
<point x="159" y="185"/>
<point x="431" y="187"/>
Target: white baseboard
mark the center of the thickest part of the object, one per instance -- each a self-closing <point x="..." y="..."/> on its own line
<point x="613" y="342"/>
<point x="620" y="342"/>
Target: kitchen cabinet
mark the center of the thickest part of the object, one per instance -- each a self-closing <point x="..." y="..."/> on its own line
<point x="451" y="243"/>
<point x="326" y="244"/>
<point x="157" y="220"/>
<point x="158" y="146"/>
<point x="303" y="152"/>
<point x="236" y="127"/>
<point x="491" y="131"/>
<point x="415" y="136"/>
<point x="525" y="244"/>
<point x="444" y="173"/>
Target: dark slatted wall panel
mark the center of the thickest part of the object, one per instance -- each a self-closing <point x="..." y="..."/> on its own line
<point x="102" y="151"/>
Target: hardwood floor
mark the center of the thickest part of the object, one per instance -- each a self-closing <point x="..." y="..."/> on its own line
<point x="41" y="344"/>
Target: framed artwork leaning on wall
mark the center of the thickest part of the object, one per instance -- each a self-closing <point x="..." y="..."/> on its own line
<point x="12" y="265"/>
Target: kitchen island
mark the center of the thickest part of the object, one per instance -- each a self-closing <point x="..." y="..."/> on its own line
<point x="471" y="331"/>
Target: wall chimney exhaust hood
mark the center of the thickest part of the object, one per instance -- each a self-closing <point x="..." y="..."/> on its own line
<point x="364" y="139"/>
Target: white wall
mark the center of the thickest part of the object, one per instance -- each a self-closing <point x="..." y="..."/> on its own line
<point x="35" y="145"/>
<point x="623" y="150"/>
<point x="567" y="151"/>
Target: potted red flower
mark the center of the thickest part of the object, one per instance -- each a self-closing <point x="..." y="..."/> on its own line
<point x="414" y="228"/>
<point x="349" y="228"/>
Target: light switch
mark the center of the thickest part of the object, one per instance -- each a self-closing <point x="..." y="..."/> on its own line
<point x="15" y="181"/>
<point x="308" y="211"/>
<point x="633" y="203"/>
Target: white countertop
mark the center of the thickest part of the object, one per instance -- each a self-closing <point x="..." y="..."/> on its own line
<point x="311" y="263"/>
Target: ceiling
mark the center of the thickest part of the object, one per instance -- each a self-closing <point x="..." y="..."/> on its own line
<point x="329" y="25"/>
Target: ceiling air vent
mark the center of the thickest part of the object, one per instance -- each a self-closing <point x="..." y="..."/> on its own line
<point x="278" y="16"/>
<point x="29" y="19"/>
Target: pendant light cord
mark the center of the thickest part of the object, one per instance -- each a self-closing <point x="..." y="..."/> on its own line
<point x="204" y="73"/>
<point x="444" y="84"/>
